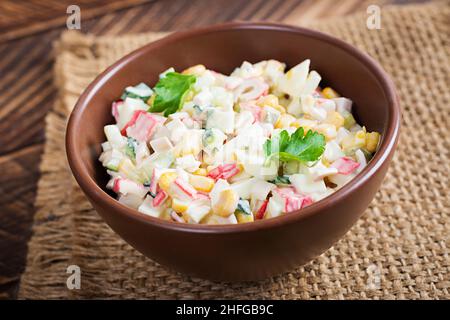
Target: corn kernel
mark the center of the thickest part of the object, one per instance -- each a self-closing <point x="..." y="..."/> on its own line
<point x="284" y="121"/>
<point x="195" y="70"/>
<point x="166" y="179"/>
<point x="243" y="218"/>
<point x="201" y="183"/>
<point x="335" y="119"/>
<point x="330" y="93"/>
<point x="372" y="140"/>
<point x="289" y="74"/>
<point x="201" y="172"/>
<point x="226" y="203"/>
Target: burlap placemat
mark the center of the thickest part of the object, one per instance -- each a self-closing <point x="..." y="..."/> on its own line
<point x="398" y="250"/>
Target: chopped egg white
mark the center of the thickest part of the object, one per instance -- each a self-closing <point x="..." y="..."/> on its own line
<point x="204" y="154"/>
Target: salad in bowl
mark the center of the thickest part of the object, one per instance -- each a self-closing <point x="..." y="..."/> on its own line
<point x="208" y="148"/>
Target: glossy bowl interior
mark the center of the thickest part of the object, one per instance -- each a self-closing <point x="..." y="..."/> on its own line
<point x="263" y="248"/>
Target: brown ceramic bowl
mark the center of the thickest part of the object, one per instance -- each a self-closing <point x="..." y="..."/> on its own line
<point x="254" y="250"/>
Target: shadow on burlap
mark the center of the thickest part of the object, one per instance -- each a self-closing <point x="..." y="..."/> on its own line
<point x="397" y="250"/>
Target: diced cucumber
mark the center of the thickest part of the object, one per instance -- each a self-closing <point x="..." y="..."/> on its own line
<point x="130" y="148"/>
<point x="113" y="164"/>
<point x="114" y="136"/>
<point x="197" y="108"/>
<point x="146" y="168"/>
<point x="367" y="154"/>
<point x="244" y="207"/>
<point x="350" y="152"/>
<point x="349" y="120"/>
<point x="208" y="137"/>
<point x="281" y="181"/>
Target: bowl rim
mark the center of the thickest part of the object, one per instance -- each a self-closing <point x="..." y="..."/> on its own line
<point x="97" y="194"/>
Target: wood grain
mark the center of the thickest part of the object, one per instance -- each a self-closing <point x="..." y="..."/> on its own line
<point x="27" y="90"/>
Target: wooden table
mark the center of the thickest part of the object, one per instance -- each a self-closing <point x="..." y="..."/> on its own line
<point x="27" y="30"/>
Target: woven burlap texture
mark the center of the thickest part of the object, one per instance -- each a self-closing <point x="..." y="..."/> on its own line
<point x="397" y="250"/>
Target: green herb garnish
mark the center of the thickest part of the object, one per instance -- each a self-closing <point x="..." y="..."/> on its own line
<point x="297" y="147"/>
<point x="170" y="92"/>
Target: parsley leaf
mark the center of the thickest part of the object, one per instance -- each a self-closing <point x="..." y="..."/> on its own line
<point x="170" y="92"/>
<point x="297" y="147"/>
